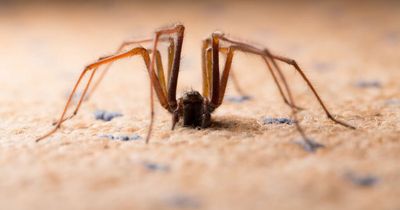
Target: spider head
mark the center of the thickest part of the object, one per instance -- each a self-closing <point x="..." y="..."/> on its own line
<point x="194" y="110"/>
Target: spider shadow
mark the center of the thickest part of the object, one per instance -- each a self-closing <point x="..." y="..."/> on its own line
<point x="235" y="124"/>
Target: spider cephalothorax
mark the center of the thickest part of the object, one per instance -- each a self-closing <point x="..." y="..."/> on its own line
<point x="194" y="110"/>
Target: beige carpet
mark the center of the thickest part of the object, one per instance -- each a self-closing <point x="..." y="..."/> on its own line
<point x="349" y="51"/>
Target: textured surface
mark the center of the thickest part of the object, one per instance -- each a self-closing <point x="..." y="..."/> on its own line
<point x="349" y="51"/>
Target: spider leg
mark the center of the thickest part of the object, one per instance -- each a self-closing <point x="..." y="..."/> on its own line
<point x="84" y="95"/>
<point x="81" y="99"/>
<point x="298" y="69"/>
<point x="234" y="79"/>
<point x="218" y="89"/>
<point x="283" y="79"/>
<point x="205" y="67"/>
<point x="119" y="50"/>
<point x="266" y="54"/>
<point x="160" y="71"/>
<point x="207" y="74"/>
<point x="171" y="55"/>
<point x="215" y="85"/>
<point x="174" y="72"/>
<point x="271" y="70"/>
<point x="93" y="67"/>
<point x="221" y="87"/>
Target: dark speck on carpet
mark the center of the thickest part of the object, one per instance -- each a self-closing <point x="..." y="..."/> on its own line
<point x="368" y="84"/>
<point x="122" y="137"/>
<point x="271" y="120"/>
<point x="183" y="202"/>
<point x="363" y="181"/>
<point x="309" y="145"/>
<point x="152" y="166"/>
<point x="238" y="99"/>
<point x="105" y="115"/>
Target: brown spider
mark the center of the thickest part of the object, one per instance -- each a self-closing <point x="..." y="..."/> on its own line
<point x="194" y="108"/>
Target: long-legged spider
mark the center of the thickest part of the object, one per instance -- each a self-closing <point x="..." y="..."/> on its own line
<point x="194" y="108"/>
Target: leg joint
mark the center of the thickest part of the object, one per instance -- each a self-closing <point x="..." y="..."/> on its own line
<point x="138" y="50"/>
<point x="206" y="41"/>
<point x="88" y="68"/>
<point x="267" y="52"/>
<point x="232" y="48"/>
<point x="294" y="63"/>
<point x="217" y="34"/>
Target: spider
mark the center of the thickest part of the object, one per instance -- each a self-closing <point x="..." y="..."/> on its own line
<point x="193" y="108"/>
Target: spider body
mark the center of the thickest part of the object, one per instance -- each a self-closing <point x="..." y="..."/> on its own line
<point x="193" y="108"/>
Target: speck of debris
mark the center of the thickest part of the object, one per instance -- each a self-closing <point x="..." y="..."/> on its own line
<point x="122" y="137"/>
<point x="363" y="181"/>
<point x="322" y="66"/>
<point x="309" y="145"/>
<point x="106" y="116"/>
<point x="183" y="201"/>
<point x="392" y="101"/>
<point x="238" y="99"/>
<point x="368" y="84"/>
<point x="271" y="120"/>
<point x="152" y="166"/>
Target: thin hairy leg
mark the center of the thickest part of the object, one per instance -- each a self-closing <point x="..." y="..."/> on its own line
<point x="119" y="50"/>
<point x="92" y="67"/>
<point x="249" y="48"/>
